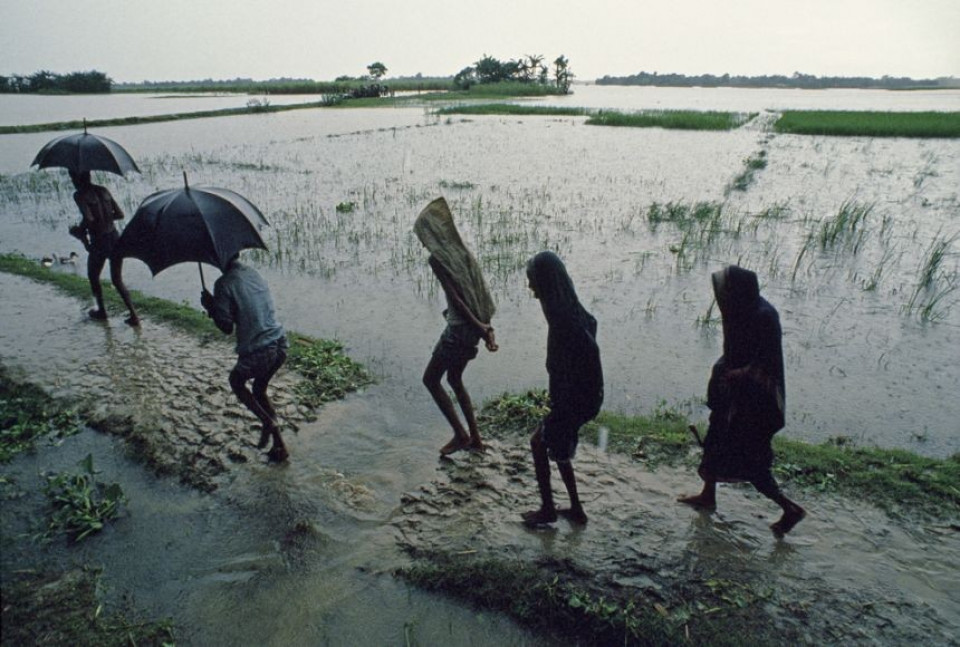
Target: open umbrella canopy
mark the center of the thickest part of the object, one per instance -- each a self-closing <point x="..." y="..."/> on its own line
<point x="85" y="152"/>
<point x="192" y="224"/>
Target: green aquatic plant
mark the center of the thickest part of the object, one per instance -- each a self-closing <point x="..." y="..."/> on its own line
<point x="80" y="504"/>
<point x="329" y="373"/>
<point x="27" y="414"/>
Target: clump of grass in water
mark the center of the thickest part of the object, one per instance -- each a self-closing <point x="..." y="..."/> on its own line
<point x="81" y="504"/>
<point x="751" y="165"/>
<point x="329" y="373"/>
<point x="27" y="413"/>
<point x="846" y="226"/>
<point x="934" y="286"/>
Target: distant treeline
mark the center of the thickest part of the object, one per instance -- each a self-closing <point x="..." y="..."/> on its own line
<point x="342" y="86"/>
<point x="48" y="82"/>
<point x="798" y="80"/>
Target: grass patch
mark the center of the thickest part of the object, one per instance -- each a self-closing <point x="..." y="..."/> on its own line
<point x="63" y="609"/>
<point x="27" y="414"/>
<point x="894" y="480"/>
<point x="869" y="124"/>
<point x="514" y="109"/>
<point x="80" y="504"/>
<point x="550" y="598"/>
<point x="676" y="119"/>
<point x="328" y="372"/>
<point x="672" y="119"/>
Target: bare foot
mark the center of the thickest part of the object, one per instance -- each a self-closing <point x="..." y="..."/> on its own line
<point x="455" y="445"/>
<point x="790" y="518"/>
<point x="699" y="502"/>
<point x="133" y="321"/>
<point x="477" y="446"/>
<point x="278" y="454"/>
<point x="539" y="517"/>
<point x="575" y="516"/>
<point x="99" y="315"/>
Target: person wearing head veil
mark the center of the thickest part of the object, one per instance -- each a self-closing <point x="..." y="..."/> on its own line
<point x="468" y="314"/>
<point x="576" y="384"/>
<point x="746" y="396"/>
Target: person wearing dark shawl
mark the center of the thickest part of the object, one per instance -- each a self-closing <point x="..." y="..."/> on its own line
<point x="576" y="384"/>
<point x="746" y="396"/>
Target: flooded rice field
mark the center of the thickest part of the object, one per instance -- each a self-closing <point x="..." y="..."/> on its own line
<point x="855" y="241"/>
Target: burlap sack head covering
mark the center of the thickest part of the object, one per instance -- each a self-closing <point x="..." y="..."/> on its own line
<point x="436" y="230"/>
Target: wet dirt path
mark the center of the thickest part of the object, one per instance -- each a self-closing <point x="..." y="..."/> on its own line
<point x="316" y="536"/>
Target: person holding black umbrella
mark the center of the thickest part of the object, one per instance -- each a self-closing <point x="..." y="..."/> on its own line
<point x="241" y="301"/>
<point x="98" y="233"/>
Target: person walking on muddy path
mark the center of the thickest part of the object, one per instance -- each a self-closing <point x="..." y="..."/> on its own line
<point x="576" y="385"/>
<point x="241" y="302"/>
<point x="746" y="396"/>
<point x="468" y="314"/>
<point x="98" y="233"/>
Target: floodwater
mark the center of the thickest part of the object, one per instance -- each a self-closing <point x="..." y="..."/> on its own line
<point x="296" y="553"/>
<point x="870" y="355"/>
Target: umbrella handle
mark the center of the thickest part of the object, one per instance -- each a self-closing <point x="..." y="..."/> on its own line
<point x="203" y="283"/>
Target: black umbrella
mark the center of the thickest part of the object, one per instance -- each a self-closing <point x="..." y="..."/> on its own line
<point x="85" y="152"/>
<point x="191" y="225"/>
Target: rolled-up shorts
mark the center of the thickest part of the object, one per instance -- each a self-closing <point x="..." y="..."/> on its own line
<point x="102" y="246"/>
<point x="262" y="363"/>
<point x="457" y="344"/>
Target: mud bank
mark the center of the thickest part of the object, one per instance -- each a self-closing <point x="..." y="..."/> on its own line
<point x="848" y="573"/>
<point x="163" y="391"/>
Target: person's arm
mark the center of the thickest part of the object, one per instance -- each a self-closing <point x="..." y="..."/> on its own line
<point x="81" y="230"/>
<point x="453" y="295"/>
<point x="218" y="307"/>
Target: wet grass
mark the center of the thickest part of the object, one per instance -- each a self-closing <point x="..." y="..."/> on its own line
<point x="80" y="505"/>
<point x="869" y="124"/>
<point x="65" y="609"/>
<point x="512" y="109"/>
<point x="328" y="372"/>
<point x="675" y="119"/>
<point x="897" y="481"/>
<point x="672" y="119"/>
<point x="553" y="598"/>
<point x="28" y="414"/>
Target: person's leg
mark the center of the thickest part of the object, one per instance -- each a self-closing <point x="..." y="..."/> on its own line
<point x="432" y="377"/>
<point x="574" y="513"/>
<point x="95" y="263"/>
<point x="541" y="465"/>
<point x="116" y="277"/>
<point x="260" y="384"/>
<point x="707" y="499"/>
<point x="455" y="380"/>
<point x="792" y="513"/>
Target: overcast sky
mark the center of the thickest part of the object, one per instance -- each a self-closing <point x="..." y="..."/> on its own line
<point x="136" y="40"/>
